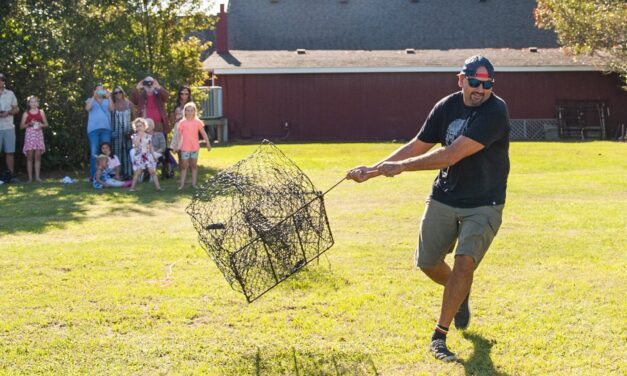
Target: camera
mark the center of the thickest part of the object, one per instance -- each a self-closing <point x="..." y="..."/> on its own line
<point x="148" y="82"/>
<point x="101" y="92"/>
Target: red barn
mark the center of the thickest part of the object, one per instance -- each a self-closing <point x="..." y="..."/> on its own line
<point x="371" y="70"/>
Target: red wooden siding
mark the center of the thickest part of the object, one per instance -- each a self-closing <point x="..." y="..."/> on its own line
<point x="385" y="106"/>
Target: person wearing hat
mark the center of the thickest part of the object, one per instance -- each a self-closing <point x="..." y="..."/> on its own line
<point x="464" y="210"/>
<point x="8" y="108"/>
<point x="150" y="98"/>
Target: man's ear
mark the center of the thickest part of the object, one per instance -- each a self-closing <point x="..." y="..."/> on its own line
<point x="460" y="80"/>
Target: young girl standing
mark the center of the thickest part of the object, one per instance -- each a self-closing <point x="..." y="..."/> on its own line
<point x="33" y="120"/>
<point x="144" y="157"/>
<point x="188" y="142"/>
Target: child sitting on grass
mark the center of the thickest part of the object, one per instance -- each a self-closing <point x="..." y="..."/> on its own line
<point x="114" y="161"/>
<point x="103" y="178"/>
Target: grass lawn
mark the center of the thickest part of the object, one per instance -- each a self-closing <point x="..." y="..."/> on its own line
<point x="116" y="283"/>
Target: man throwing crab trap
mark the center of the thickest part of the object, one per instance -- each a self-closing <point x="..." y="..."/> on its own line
<point x="466" y="203"/>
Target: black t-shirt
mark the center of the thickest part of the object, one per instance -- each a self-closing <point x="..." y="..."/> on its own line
<point x="479" y="179"/>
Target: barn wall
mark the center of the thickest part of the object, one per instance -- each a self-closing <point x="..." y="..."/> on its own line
<point x="385" y="106"/>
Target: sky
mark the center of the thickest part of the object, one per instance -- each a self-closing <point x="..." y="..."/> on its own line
<point x="215" y="8"/>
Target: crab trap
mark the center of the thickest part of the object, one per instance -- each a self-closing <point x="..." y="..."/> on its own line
<point x="261" y="220"/>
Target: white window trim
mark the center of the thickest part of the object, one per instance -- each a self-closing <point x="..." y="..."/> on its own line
<point x="244" y="71"/>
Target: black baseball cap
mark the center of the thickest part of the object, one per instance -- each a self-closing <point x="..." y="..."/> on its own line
<point x="473" y="63"/>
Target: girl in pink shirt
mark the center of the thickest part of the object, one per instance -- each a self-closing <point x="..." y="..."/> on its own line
<point x="189" y="143"/>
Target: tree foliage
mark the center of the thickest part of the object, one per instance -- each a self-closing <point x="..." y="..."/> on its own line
<point x="58" y="51"/>
<point x="590" y="27"/>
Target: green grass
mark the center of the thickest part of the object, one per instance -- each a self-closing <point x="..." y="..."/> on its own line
<point x="116" y="283"/>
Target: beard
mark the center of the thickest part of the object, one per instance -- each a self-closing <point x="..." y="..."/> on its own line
<point x="476" y="99"/>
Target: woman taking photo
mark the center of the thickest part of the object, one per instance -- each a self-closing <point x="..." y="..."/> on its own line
<point x="98" y="123"/>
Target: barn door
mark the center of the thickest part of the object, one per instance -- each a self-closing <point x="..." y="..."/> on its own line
<point x="583" y="120"/>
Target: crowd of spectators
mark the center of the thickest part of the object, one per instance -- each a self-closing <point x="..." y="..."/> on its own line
<point x="127" y="135"/>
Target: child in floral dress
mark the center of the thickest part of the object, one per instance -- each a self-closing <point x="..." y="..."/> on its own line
<point x="33" y="121"/>
<point x="143" y="157"/>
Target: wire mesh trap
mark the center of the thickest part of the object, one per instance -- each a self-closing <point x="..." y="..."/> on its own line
<point x="261" y="220"/>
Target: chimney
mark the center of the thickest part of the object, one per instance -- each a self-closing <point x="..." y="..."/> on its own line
<point x="222" y="34"/>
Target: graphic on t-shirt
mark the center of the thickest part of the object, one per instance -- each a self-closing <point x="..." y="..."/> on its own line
<point x="455" y="129"/>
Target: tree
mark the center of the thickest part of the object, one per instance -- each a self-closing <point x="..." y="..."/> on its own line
<point x="152" y="37"/>
<point x="37" y="60"/>
<point x="59" y="50"/>
<point x="595" y="27"/>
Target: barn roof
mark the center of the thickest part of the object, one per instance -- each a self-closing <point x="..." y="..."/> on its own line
<point x="384" y="24"/>
<point x="353" y="61"/>
<point x="266" y="36"/>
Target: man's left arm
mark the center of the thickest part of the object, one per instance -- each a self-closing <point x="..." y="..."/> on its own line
<point x="437" y="159"/>
<point x="14" y="107"/>
<point x="162" y="92"/>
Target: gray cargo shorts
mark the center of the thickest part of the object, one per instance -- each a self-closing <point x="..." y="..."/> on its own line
<point x="443" y="226"/>
<point x="7" y="140"/>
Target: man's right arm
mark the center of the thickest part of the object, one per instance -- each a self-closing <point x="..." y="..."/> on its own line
<point x="134" y="97"/>
<point x="413" y="148"/>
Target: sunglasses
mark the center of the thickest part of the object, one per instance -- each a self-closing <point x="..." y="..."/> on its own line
<point x="117" y="92"/>
<point x="473" y="82"/>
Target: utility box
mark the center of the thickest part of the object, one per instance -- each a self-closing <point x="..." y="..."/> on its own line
<point x="211" y="102"/>
<point x="210" y="108"/>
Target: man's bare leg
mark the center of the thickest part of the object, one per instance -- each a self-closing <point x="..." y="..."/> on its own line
<point x="439" y="274"/>
<point x="457" y="284"/>
<point x="457" y="288"/>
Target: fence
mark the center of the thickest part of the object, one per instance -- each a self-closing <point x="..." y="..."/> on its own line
<point x="534" y="129"/>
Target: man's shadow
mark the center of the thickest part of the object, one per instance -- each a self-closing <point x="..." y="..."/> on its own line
<point x="480" y="363"/>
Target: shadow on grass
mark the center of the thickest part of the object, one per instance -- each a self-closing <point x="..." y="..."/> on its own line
<point x="36" y="207"/>
<point x="480" y="362"/>
<point x="333" y="363"/>
<point x="319" y="272"/>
